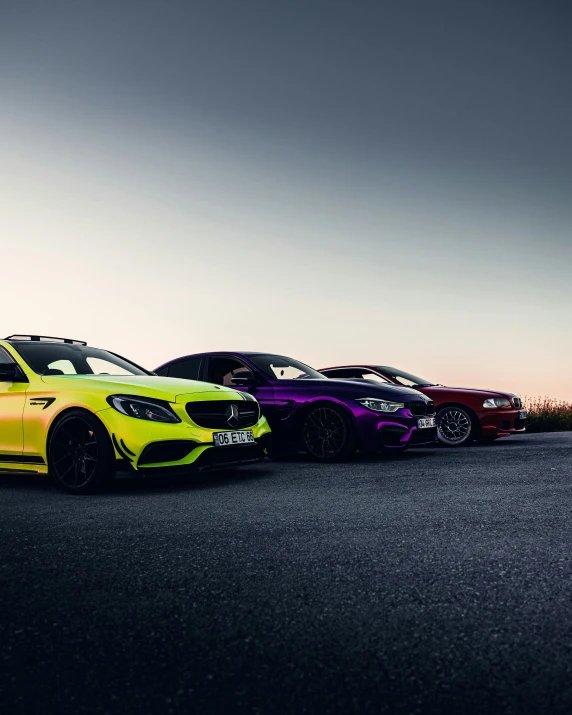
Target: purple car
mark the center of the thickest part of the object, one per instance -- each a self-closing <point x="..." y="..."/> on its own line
<point x="328" y="419"/>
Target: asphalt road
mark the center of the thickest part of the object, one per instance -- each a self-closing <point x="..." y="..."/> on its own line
<point x="437" y="581"/>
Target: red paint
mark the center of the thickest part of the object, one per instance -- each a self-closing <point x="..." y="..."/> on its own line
<point x="496" y="422"/>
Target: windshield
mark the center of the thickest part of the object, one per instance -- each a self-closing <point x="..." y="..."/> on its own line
<point x="64" y="359"/>
<point x="278" y="367"/>
<point x="404" y="378"/>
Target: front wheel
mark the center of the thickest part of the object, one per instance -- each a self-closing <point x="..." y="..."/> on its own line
<point x="455" y="427"/>
<point x="326" y="434"/>
<point x="80" y="454"/>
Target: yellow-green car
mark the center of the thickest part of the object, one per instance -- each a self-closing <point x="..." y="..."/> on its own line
<point x="84" y="414"/>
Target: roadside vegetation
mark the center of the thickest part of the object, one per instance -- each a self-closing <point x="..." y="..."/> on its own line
<point x="548" y="415"/>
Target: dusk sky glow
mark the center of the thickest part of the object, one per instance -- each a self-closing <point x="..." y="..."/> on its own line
<point x="341" y="182"/>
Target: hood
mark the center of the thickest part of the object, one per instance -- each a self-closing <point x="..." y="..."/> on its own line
<point x="354" y="388"/>
<point x="468" y="391"/>
<point x="159" y="388"/>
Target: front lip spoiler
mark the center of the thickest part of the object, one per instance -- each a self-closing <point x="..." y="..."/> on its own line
<point x="177" y="470"/>
<point x="210" y="459"/>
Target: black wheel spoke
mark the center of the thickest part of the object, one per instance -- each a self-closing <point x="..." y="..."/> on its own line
<point x="68" y="455"/>
<point x="324" y="433"/>
<point x="67" y="471"/>
<point x="454" y="426"/>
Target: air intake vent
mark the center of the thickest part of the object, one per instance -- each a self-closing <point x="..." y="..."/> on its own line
<point x="171" y="451"/>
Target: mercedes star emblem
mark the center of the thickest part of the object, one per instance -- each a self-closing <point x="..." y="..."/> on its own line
<point x="232" y="415"/>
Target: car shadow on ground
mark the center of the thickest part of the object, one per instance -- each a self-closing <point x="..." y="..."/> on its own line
<point x="378" y="457"/>
<point x="26" y="480"/>
<point x="409" y="455"/>
<point x="216" y="479"/>
<point x="504" y="442"/>
<point x="266" y="470"/>
<point x="514" y="441"/>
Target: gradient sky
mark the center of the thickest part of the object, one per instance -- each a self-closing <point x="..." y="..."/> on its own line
<point x="384" y="182"/>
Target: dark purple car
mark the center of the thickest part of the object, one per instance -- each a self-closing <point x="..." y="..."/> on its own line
<point x="328" y="419"/>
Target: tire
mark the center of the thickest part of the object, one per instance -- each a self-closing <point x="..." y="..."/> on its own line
<point x="456" y="426"/>
<point x="81" y="458"/>
<point x="326" y="434"/>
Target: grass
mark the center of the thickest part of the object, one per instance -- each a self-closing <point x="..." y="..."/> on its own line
<point x="547" y="415"/>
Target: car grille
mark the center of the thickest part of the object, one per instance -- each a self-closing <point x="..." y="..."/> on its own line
<point x="517" y="402"/>
<point x="213" y="414"/>
<point x="417" y="407"/>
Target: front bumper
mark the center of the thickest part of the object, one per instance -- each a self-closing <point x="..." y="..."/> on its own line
<point x="501" y="423"/>
<point x="211" y="459"/>
<point x="152" y="448"/>
<point x="400" y="436"/>
<point x="392" y="431"/>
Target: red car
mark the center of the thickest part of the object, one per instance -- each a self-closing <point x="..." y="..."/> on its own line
<point x="463" y="414"/>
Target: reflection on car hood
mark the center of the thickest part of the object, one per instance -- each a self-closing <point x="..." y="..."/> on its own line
<point x="159" y="388"/>
<point x="470" y="390"/>
<point x="353" y="388"/>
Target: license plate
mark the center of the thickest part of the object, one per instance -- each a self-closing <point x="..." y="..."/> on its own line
<point x="426" y="422"/>
<point x="227" y="439"/>
<point x="522" y="414"/>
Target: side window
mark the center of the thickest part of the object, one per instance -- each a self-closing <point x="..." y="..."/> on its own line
<point x="60" y="367"/>
<point x="222" y="370"/>
<point x="185" y="369"/>
<point x="356" y="372"/>
<point x="343" y="374"/>
<point x="99" y="366"/>
<point x="373" y="376"/>
<point x="5" y="359"/>
<point x="402" y="380"/>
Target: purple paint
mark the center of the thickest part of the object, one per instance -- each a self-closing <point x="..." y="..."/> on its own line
<point x="287" y="401"/>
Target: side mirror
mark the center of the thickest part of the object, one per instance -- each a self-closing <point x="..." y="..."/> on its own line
<point x="246" y="379"/>
<point x="10" y="372"/>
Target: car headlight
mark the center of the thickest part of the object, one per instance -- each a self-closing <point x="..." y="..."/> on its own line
<point x="492" y="403"/>
<point x="376" y="405"/>
<point x="143" y="408"/>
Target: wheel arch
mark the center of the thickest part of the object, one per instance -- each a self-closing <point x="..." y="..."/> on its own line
<point x="63" y="413"/>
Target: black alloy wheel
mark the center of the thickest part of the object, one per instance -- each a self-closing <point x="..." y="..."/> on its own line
<point x="455" y="427"/>
<point x="326" y="434"/>
<point x="80" y="455"/>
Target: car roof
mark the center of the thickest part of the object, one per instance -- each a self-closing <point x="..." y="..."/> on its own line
<point x="246" y="353"/>
<point x="349" y="367"/>
<point x="42" y="339"/>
